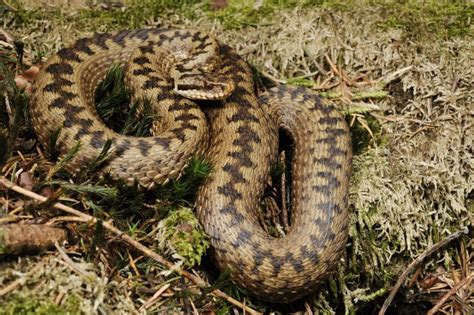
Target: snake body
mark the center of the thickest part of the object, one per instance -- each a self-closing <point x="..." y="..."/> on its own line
<point x="238" y="134"/>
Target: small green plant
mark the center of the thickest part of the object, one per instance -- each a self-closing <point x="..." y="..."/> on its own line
<point x="29" y="306"/>
<point x="14" y="116"/>
<point x="113" y="104"/>
<point x="185" y="235"/>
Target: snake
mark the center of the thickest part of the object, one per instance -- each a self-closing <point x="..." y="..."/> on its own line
<point x="205" y="101"/>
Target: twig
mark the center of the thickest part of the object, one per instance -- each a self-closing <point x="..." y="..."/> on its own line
<point x="272" y="78"/>
<point x="71" y="264"/>
<point x="10" y="7"/>
<point x="415" y="263"/>
<point x="130" y="241"/>
<point x="338" y="72"/>
<point x="445" y="297"/>
<point x="308" y="309"/>
<point x="284" y="210"/>
<point x="18" y="238"/>
<point x="394" y="75"/>
<point x="154" y="298"/>
<point x="66" y="218"/>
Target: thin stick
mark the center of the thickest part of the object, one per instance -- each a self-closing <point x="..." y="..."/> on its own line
<point x="272" y="78"/>
<point x="71" y="264"/>
<point x="284" y="210"/>
<point x="445" y="297"/>
<point x="130" y="241"/>
<point x="154" y="298"/>
<point x="415" y="263"/>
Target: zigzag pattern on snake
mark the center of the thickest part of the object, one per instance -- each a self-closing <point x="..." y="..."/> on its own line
<point x="238" y="133"/>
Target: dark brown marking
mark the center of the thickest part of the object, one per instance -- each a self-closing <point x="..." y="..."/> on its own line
<point x="311" y="255"/>
<point x="100" y="40"/>
<point x="184" y="106"/>
<point x="146" y="49"/>
<point x="179" y="133"/>
<point x="196" y="36"/>
<point x="164" y="142"/>
<point x="84" y="123"/>
<point x="142" y="33"/>
<point x="242" y="238"/>
<point x="229" y="191"/>
<point x="243" y="103"/>
<point x="68" y="95"/>
<point x="297" y="264"/>
<point x="328" y="163"/>
<point x="328" y="120"/>
<point x="62" y="101"/>
<point x="248" y="135"/>
<point x="317" y="242"/>
<point x="295" y="92"/>
<point x="327" y="140"/>
<point x="189" y="126"/>
<point x="187" y="87"/>
<point x="203" y="44"/>
<point x="72" y="111"/>
<point x="57" y="85"/>
<point x="231" y="210"/>
<point x="69" y="54"/>
<point x="144" y="147"/>
<point x="141" y="60"/>
<point x="308" y="97"/>
<point x="233" y="170"/>
<point x="243" y="116"/>
<point x="276" y="263"/>
<point x="337" y="151"/>
<point x="150" y="84"/>
<point x="328" y="208"/>
<point x="119" y="38"/>
<point x="242" y="158"/>
<point x="142" y="71"/>
<point x="336" y="132"/>
<point x="186" y="117"/>
<point x="281" y="91"/>
<point x="325" y="108"/>
<point x="59" y="68"/>
<point x="320" y="224"/>
<point x="97" y="140"/>
<point x="83" y="46"/>
<point x="122" y="148"/>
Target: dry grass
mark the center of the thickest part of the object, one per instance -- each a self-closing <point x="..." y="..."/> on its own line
<point x="413" y="178"/>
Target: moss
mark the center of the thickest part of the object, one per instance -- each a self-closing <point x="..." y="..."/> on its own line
<point x="244" y="13"/>
<point x="301" y="82"/>
<point x="361" y="138"/>
<point x="23" y="16"/>
<point x="3" y="248"/>
<point x="428" y="18"/>
<point x="132" y="14"/>
<point x="31" y="305"/>
<point x="185" y="234"/>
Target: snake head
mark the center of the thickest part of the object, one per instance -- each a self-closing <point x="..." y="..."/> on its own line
<point x="198" y="84"/>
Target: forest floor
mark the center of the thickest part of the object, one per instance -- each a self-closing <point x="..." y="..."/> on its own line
<point x="403" y="74"/>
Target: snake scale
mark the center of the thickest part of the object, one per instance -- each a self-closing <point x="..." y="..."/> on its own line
<point x="237" y="132"/>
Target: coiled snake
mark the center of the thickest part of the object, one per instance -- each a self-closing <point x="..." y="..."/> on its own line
<point x="238" y="134"/>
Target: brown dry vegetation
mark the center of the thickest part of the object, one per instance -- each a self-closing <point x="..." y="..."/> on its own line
<point x="412" y="183"/>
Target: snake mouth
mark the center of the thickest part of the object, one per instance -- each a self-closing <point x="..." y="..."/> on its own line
<point x="206" y="91"/>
